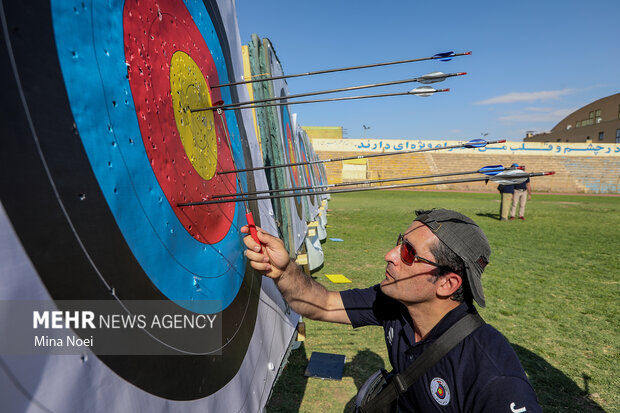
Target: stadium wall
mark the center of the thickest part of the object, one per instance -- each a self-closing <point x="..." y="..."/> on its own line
<point x="579" y="167"/>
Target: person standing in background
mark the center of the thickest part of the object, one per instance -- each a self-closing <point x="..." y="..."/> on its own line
<point x="506" y="191"/>
<point x="520" y="197"/>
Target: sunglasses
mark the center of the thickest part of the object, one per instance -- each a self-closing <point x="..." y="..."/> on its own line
<point x="408" y="255"/>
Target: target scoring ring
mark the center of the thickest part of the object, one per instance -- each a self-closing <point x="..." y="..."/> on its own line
<point x="190" y="90"/>
<point x="188" y="253"/>
<point x="168" y="65"/>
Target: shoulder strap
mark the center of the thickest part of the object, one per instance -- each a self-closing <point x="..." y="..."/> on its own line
<point x="401" y="382"/>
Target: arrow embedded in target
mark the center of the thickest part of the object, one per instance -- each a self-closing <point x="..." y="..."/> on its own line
<point x="474" y="143"/>
<point x="500" y="178"/>
<point x="487" y="170"/>
<point x="428" y="78"/>
<point x="445" y="56"/>
<point x="423" y="91"/>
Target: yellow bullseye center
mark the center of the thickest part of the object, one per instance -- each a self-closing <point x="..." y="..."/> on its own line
<point x="197" y="130"/>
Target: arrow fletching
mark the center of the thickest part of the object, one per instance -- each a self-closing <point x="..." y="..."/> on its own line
<point x="444" y="57"/>
<point x="510" y="177"/>
<point x="491" y="169"/>
<point x="476" y="143"/>
<point x="433" y="77"/>
<point x="423" y="91"/>
<point x="447" y="56"/>
<point x="495" y="169"/>
<point x="480" y="143"/>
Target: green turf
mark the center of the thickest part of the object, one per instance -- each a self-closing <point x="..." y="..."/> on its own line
<point x="552" y="289"/>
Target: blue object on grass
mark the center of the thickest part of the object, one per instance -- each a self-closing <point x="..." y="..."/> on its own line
<point x="325" y="366"/>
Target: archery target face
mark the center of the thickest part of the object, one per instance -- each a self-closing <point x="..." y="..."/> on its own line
<point x="185" y="148"/>
<point x="109" y="148"/>
<point x="157" y="153"/>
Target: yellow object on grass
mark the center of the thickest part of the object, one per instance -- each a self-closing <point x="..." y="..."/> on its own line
<point x="338" y="278"/>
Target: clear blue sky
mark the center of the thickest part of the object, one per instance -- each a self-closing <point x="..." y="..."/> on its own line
<point x="533" y="62"/>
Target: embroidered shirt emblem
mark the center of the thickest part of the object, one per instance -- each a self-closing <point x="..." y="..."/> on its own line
<point x="440" y="391"/>
<point x="515" y="410"/>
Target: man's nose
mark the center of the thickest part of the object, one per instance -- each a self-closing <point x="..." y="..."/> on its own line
<point x="393" y="255"/>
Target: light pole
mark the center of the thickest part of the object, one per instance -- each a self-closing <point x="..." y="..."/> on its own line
<point x="365" y="129"/>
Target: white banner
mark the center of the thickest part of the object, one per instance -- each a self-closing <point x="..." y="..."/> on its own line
<point x="506" y="148"/>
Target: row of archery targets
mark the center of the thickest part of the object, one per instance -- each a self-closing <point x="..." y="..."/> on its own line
<point x="101" y="144"/>
<point x="301" y="220"/>
<point x="133" y="151"/>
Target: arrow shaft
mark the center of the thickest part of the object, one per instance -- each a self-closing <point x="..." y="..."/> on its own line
<point x="347" y="158"/>
<point x="334" y="191"/>
<point x="323" y="92"/>
<point x="374" y="188"/>
<point x="365" y="182"/>
<point x="342" y="69"/>
<point x="299" y="102"/>
<point x="248" y="214"/>
<point x="232" y="156"/>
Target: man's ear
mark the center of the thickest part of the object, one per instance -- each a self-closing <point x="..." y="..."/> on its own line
<point x="448" y="284"/>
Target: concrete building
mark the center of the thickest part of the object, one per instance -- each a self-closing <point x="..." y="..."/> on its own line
<point x="597" y="122"/>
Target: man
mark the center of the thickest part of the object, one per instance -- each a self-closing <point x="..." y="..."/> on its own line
<point x="506" y="192"/>
<point x="432" y="275"/>
<point x="519" y="197"/>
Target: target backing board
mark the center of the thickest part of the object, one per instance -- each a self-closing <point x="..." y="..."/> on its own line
<point x="310" y="202"/>
<point x="99" y="148"/>
<point x="286" y="144"/>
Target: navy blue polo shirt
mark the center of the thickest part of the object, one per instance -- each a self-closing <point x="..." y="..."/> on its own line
<point x="522" y="186"/>
<point x="480" y="374"/>
<point x="506" y="189"/>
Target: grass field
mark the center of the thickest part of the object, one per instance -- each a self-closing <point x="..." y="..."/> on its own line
<point x="552" y="288"/>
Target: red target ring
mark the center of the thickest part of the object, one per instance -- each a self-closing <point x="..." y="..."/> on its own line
<point x="170" y="68"/>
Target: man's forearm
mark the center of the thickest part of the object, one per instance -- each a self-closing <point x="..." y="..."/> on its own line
<point x="305" y="296"/>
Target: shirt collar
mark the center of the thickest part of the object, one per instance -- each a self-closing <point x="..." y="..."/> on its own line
<point x="449" y="319"/>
